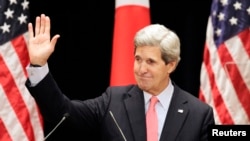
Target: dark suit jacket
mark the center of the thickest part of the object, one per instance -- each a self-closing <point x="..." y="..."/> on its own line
<point x="126" y="103"/>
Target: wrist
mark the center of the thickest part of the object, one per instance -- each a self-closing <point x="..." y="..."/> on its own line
<point x="35" y="65"/>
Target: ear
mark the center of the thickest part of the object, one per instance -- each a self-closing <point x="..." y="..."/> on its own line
<point x="171" y="66"/>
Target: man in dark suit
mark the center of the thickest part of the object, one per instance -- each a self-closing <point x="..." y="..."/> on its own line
<point x="120" y="112"/>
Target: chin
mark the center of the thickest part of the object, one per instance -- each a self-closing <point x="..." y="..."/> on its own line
<point x="143" y="87"/>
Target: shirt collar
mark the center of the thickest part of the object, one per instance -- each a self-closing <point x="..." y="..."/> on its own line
<point x="164" y="97"/>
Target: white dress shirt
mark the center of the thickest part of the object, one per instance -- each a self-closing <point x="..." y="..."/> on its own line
<point x="162" y="106"/>
<point x="36" y="74"/>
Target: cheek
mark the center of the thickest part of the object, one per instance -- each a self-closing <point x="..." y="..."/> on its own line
<point x="161" y="72"/>
<point x="135" y="67"/>
<point x="164" y="74"/>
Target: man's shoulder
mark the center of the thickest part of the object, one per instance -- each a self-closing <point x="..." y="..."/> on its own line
<point x="192" y="99"/>
<point x="123" y="88"/>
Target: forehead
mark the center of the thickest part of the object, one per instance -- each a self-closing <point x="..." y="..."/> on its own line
<point x="148" y="51"/>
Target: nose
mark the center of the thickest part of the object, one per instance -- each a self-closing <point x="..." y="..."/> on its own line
<point x="142" y="67"/>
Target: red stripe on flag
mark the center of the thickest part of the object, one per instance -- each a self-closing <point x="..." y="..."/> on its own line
<point x="20" y="47"/>
<point x="220" y="107"/>
<point x="6" y="136"/>
<point x="15" y="99"/>
<point x="128" y="20"/>
<point x="201" y="96"/>
<point x="244" y="36"/>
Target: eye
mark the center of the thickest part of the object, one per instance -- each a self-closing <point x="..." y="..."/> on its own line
<point x="137" y="58"/>
<point x="150" y="61"/>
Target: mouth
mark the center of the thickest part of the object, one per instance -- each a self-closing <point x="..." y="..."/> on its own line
<point x="144" y="77"/>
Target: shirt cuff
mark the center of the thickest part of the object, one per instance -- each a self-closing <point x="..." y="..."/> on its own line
<point x="36" y="74"/>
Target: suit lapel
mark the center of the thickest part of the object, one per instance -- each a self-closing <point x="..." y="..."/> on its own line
<point x="176" y="116"/>
<point x="136" y="113"/>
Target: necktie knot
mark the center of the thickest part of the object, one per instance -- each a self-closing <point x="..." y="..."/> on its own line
<point x="153" y="100"/>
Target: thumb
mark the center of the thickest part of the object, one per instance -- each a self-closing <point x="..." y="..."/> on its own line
<point x="54" y="39"/>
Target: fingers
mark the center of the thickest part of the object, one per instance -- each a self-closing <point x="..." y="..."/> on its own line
<point x="37" y="25"/>
<point x="42" y="25"/>
<point x="30" y="30"/>
<point x="47" y="25"/>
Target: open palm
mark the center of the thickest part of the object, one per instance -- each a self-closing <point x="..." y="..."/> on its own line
<point x="40" y="46"/>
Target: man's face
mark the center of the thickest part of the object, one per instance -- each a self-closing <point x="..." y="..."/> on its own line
<point x="151" y="72"/>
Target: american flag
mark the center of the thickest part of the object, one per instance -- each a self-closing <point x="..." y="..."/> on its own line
<point x="20" y="119"/>
<point x="225" y="71"/>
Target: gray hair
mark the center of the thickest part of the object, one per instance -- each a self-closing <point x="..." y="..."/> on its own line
<point x="157" y="35"/>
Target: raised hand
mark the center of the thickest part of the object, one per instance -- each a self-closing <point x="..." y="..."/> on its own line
<point x="40" y="45"/>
